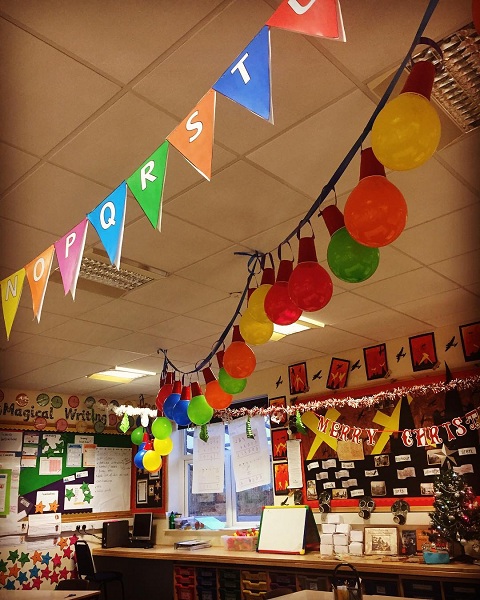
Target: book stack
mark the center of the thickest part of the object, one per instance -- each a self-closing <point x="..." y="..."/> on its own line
<point x="192" y="544"/>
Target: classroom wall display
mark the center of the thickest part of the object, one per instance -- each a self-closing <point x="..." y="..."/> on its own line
<point x="297" y="377"/>
<point x="392" y="450"/>
<point x="376" y="365"/>
<point x="338" y="374"/>
<point x="278" y="418"/>
<point x="470" y="336"/>
<point x="423" y="352"/>
<point x="148" y="490"/>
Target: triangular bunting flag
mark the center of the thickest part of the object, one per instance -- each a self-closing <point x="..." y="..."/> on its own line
<point x="194" y="136"/>
<point x="146" y="184"/>
<point x="321" y="18"/>
<point x="11" y="293"/>
<point x="247" y="80"/>
<point x="108" y="218"/>
<point x="38" y="272"/>
<point x="69" y="250"/>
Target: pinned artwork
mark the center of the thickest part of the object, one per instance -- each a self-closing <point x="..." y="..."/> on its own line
<point x="423" y="352"/>
<point x="376" y="365"/>
<point x="470" y="336"/>
<point x="278" y="416"/>
<point x="338" y="374"/>
<point x="297" y="376"/>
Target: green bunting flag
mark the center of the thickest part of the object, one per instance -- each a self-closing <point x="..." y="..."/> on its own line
<point x="125" y="424"/>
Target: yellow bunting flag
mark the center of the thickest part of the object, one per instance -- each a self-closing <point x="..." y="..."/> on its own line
<point x="11" y="293"/>
<point x="38" y="272"/>
<point x="194" y="136"/>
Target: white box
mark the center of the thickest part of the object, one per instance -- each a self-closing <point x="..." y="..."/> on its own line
<point x="343" y="528"/>
<point x="356" y="535"/>
<point x="356" y="548"/>
<point x="340" y="549"/>
<point x="340" y="539"/>
<point x="326" y="549"/>
<point x="326" y="538"/>
<point x="334" y="518"/>
<point x="328" y="527"/>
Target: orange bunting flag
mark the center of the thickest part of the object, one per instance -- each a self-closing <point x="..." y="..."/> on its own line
<point x="321" y="18"/>
<point x="11" y="293"/>
<point x="194" y="136"/>
<point x="38" y="272"/>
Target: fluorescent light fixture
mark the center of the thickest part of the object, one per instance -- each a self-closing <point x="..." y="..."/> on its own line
<point x="304" y="323"/>
<point x="120" y="374"/>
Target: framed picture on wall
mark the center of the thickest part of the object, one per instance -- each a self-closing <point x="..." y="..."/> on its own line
<point x="470" y="336"/>
<point x="376" y="365"/>
<point x="338" y="374"/>
<point x="297" y="378"/>
<point x="278" y="418"/>
<point x="423" y="352"/>
<point x="280" y="478"/>
<point x="279" y="444"/>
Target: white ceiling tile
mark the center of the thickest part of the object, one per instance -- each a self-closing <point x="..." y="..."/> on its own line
<point x="15" y="163"/>
<point x="462" y="156"/>
<point x="329" y="340"/>
<point x="15" y="363"/>
<point x="343" y="305"/>
<point x="88" y="333"/>
<point x="384" y="325"/>
<point x="127" y="315"/>
<point x="183" y="329"/>
<point x="463" y="269"/>
<point x="141" y="343"/>
<point x="219" y="312"/>
<point x="58" y="303"/>
<point x="108" y="356"/>
<point x="52" y="347"/>
<point x="20" y="244"/>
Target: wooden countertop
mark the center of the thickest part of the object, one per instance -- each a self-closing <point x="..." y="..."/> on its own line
<point x="311" y="560"/>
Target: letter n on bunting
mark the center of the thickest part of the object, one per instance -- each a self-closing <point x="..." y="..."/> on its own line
<point x="11" y="288"/>
<point x="194" y="136"/>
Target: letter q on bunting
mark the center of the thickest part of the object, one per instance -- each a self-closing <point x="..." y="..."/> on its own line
<point x="194" y="136"/>
<point x="320" y="18"/>
<point x="146" y="184"/>
<point x="11" y="287"/>
<point x="108" y="218"/>
<point x="69" y="250"/>
<point x="247" y="80"/>
<point x="38" y="272"/>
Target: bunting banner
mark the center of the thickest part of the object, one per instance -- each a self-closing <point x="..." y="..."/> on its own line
<point x="320" y="18"/>
<point x="11" y="288"/>
<point x="146" y="184"/>
<point x="247" y="80"/>
<point x="69" y="250"/>
<point x="194" y="136"/>
<point x="108" y="218"/>
<point x="38" y="272"/>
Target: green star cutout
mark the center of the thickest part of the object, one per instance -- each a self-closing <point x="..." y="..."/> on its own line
<point x="84" y="487"/>
<point x="59" y="447"/>
<point x="69" y="494"/>
<point x="87" y="496"/>
<point x="3" y="566"/>
<point x="44" y="443"/>
<point x="24" y="558"/>
<point x="13" y="555"/>
<point x="64" y="438"/>
<point x="50" y="452"/>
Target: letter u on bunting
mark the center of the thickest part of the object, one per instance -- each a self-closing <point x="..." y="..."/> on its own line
<point x="146" y="184"/>
<point x="38" y="272"/>
<point x="69" y="250"/>
<point x="321" y="18"/>
<point x="194" y="136"/>
<point x="247" y="80"/>
<point x="108" y="218"/>
<point x="11" y="293"/>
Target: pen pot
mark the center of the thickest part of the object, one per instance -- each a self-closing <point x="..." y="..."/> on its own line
<point x="346" y="586"/>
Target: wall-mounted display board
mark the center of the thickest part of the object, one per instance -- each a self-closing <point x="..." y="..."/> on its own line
<point x="392" y="450"/>
<point x="148" y="490"/>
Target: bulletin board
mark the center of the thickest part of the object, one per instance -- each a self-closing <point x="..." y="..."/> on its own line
<point x="70" y="473"/>
<point x="148" y="490"/>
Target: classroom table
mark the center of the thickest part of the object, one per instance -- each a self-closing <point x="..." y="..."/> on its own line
<point x="47" y="594"/>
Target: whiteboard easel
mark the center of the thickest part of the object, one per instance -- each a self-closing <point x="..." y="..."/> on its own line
<point x="288" y="530"/>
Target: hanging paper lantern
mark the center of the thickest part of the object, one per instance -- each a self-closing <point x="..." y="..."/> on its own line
<point x="199" y="411"/>
<point x="310" y="286"/>
<point x="216" y="397"/>
<point x="152" y="461"/>
<point x="161" y="428"/>
<point x="256" y="307"/>
<point x="137" y="436"/>
<point x="165" y="390"/>
<point x="229" y="384"/>
<point x="163" y="447"/>
<point x="407" y="130"/>
<point x="172" y="399"/>
<point x="279" y="307"/>
<point x="255" y="332"/>
<point x="180" y="414"/>
<point x="375" y="211"/>
<point x="239" y="360"/>
<point x="347" y="259"/>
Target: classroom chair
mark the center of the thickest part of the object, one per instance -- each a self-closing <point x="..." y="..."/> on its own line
<point x="277" y="593"/>
<point x="86" y="570"/>
<point x="78" y="585"/>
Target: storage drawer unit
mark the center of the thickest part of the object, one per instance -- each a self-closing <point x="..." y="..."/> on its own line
<point x="454" y="590"/>
<point x="308" y="582"/>
<point x="431" y="590"/>
<point x="381" y="587"/>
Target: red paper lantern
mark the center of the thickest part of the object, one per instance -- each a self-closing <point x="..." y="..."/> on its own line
<point x="216" y="397"/>
<point x="239" y="360"/>
<point x="165" y="390"/>
<point x="376" y="211"/>
<point x="310" y="286"/>
<point x="279" y="307"/>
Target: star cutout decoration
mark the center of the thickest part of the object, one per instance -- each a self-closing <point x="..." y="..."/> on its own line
<point x="36" y="556"/>
<point x="50" y="452"/>
<point x="67" y="552"/>
<point x="84" y="487"/>
<point x="57" y="560"/>
<point x="44" y="443"/>
<point x="59" y="448"/>
<point x="46" y="573"/>
<point x="157" y="485"/>
<point x="3" y="578"/>
<point x="34" y="571"/>
<point x="54" y="506"/>
<point x="63" y="573"/>
<point x="27" y="586"/>
<point x="62" y="543"/>
<point x="73" y="540"/>
<point x="3" y="566"/>
<point x="14" y="571"/>
<point x="46" y="558"/>
<point x="39" y="507"/>
<point x="87" y="496"/>
<point x="13" y="555"/>
<point x="446" y="455"/>
<point x="22" y="577"/>
<point x="24" y="558"/>
<point x="54" y="577"/>
<point x="10" y="584"/>
<point x="36" y="583"/>
<point x="69" y="494"/>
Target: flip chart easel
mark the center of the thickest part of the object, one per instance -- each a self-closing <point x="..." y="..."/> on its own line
<point x="288" y="530"/>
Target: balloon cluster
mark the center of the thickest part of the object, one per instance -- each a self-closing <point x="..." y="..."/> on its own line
<point x="150" y="451"/>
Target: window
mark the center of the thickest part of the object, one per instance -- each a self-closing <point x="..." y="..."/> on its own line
<point x="233" y="509"/>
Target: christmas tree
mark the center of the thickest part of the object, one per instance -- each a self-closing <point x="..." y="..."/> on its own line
<point x="457" y="513"/>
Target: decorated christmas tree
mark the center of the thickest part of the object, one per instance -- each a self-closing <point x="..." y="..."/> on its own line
<point x="457" y="512"/>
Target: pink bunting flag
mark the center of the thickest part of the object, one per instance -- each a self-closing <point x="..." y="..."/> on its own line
<point x="320" y="18"/>
<point x="69" y="251"/>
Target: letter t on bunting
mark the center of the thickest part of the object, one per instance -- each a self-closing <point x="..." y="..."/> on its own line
<point x="247" y="80"/>
<point x="146" y="184"/>
<point x="194" y="136"/>
<point x="321" y="18"/>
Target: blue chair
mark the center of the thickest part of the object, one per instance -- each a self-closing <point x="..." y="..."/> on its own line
<point x="86" y="570"/>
